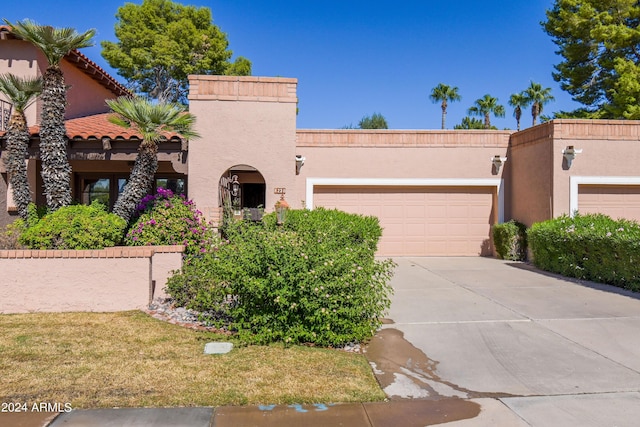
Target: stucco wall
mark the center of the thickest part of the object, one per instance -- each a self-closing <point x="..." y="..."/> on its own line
<point x="243" y="121"/>
<point x="539" y="176"/>
<point x="530" y="175"/>
<point x="396" y="154"/>
<point x="80" y="84"/>
<point x="22" y="59"/>
<point x="113" y="279"/>
<point x="610" y="148"/>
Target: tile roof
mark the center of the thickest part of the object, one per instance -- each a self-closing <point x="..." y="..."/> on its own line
<point x="98" y="126"/>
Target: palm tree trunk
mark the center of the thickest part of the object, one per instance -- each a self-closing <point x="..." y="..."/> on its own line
<point x="17" y="143"/>
<point x="487" y="121"/>
<point x="140" y="181"/>
<point x="56" y="171"/>
<point x="444" y="114"/>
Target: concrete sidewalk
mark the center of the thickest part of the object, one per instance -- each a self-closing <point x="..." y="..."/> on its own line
<point x="469" y="342"/>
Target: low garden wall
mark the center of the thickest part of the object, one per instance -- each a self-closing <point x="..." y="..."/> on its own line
<point x="111" y="279"/>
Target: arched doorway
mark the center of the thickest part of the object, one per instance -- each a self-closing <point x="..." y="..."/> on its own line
<point x="242" y="187"/>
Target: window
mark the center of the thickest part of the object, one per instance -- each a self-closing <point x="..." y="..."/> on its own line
<point x="96" y="189"/>
<point x="106" y="188"/>
<point x="177" y="185"/>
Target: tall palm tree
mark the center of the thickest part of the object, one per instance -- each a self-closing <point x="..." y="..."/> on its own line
<point x="444" y="94"/>
<point x="537" y="96"/>
<point x="54" y="43"/>
<point x="486" y="106"/>
<point x="22" y="92"/>
<point x="152" y="121"/>
<point x="518" y="101"/>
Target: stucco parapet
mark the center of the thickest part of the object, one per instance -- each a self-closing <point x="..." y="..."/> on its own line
<point x="243" y="88"/>
<point x="533" y="135"/>
<point x="400" y="138"/>
<point x="611" y="130"/>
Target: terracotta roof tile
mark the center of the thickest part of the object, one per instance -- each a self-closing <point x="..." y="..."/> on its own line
<point x="98" y="126"/>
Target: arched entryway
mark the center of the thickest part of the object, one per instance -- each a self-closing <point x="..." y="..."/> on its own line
<point x="242" y="186"/>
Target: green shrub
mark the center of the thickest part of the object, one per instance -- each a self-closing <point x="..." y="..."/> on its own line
<point x="169" y="219"/>
<point x="510" y="240"/>
<point x="591" y="247"/>
<point x="10" y="235"/>
<point x="74" y="227"/>
<point x="313" y="280"/>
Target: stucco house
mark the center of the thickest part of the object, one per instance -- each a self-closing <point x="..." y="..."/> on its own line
<point x="436" y="192"/>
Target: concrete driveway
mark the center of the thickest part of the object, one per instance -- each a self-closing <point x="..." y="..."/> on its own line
<point x="525" y="347"/>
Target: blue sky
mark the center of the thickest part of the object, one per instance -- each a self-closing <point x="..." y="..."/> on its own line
<point x="354" y="58"/>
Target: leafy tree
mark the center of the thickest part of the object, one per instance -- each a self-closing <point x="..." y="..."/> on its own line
<point x="599" y="41"/>
<point x="518" y="101"/>
<point x="152" y="120"/>
<point x="580" y="113"/>
<point x="22" y="93"/>
<point x="537" y="97"/>
<point x="54" y="43"/>
<point x="162" y="42"/>
<point x="444" y="94"/>
<point x="486" y="106"/>
<point x="375" y="121"/>
<point x="471" y="123"/>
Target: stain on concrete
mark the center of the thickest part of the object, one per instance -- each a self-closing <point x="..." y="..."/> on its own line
<point x="420" y="413"/>
<point x="405" y="372"/>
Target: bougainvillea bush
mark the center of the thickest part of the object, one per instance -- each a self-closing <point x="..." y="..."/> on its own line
<point x="591" y="247"/>
<point x="313" y="280"/>
<point x="166" y="218"/>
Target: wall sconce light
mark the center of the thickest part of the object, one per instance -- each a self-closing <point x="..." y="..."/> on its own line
<point x="497" y="162"/>
<point x="299" y="162"/>
<point x="235" y="186"/>
<point x="281" y="210"/>
<point x="569" y="154"/>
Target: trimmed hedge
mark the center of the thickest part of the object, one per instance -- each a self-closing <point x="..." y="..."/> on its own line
<point x="591" y="247"/>
<point x="74" y="227"/>
<point x="313" y="280"/>
<point x="510" y="240"/>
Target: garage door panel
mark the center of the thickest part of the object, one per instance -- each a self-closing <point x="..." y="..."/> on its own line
<point x="418" y="221"/>
<point x="617" y="201"/>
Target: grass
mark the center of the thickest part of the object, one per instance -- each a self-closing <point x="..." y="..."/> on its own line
<point x="129" y="359"/>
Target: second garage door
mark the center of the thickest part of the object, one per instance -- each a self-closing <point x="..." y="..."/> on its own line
<point x="421" y="221"/>
<point x="617" y="201"/>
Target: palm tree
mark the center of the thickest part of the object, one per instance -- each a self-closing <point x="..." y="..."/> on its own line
<point x="518" y="101"/>
<point x="22" y="92"/>
<point x="486" y="106"/>
<point x="443" y="94"/>
<point x="537" y="96"/>
<point x="54" y="43"/>
<point x="152" y="121"/>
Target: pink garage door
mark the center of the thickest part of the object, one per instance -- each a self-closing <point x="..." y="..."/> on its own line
<point x="421" y="221"/>
<point x="617" y="201"/>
